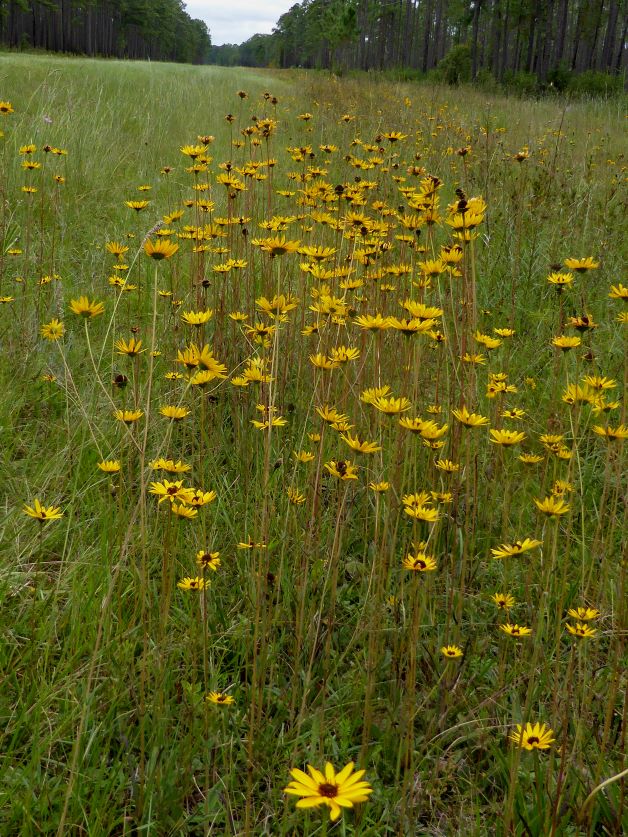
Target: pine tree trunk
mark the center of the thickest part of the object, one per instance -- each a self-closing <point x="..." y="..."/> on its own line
<point x="620" y="52"/>
<point x="503" y="62"/>
<point x="577" y="34"/>
<point x="495" y="36"/>
<point x="474" y="37"/>
<point x="531" y="39"/>
<point x="441" y="27"/>
<point x="608" y="47"/>
<point x="427" y="33"/>
<point x="590" y="61"/>
<point x="561" y="33"/>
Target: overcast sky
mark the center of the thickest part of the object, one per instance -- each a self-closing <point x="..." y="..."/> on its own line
<point x="234" y="21"/>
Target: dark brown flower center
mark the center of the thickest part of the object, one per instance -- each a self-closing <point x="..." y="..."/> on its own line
<point x="330" y="791"/>
<point x="533" y="740"/>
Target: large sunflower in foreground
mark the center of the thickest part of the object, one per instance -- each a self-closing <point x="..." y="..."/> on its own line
<point x="336" y="790"/>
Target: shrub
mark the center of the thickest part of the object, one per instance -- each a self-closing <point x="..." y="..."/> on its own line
<point x="521" y="83"/>
<point x="456" y="65"/>
<point x="559" y="78"/>
<point x="486" y="81"/>
<point x="594" y="83"/>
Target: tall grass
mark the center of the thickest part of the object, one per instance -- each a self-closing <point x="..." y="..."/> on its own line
<point x="329" y="645"/>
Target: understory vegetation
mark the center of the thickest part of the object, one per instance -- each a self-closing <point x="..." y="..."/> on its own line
<point x="312" y="440"/>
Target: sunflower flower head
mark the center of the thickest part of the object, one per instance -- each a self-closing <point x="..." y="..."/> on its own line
<point x="419" y="563"/>
<point x="85" y="307"/>
<point x="172" y="491"/>
<point x="131" y="348"/>
<point x="581" y="265"/>
<point x="54" y="330"/>
<point x="188" y="583"/>
<point x="43" y="513"/>
<point x="583" y="614"/>
<point x="174" y="412"/>
<point x="342" y="469"/>
<point x="335" y="790"/>
<point x="507" y="438"/>
<point x="219" y="699"/>
<point x="109" y="466"/>
<point x="516" y="548"/>
<point x="128" y="416"/>
<point x="533" y="736"/>
<point x="515" y="630"/>
<point x="581" y="630"/>
<point x="552" y="506"/>
<point x="451" y="651"/>
<point x="503" y="601"/>
<point x="161" y="248"/>
<point x="469" y="419"/>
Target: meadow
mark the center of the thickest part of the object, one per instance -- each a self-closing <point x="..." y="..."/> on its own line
<point x="313" y="429"/>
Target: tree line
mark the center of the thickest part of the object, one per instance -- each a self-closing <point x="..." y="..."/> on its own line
<point x="464" y="38"/>
<point x="157" y="29"/>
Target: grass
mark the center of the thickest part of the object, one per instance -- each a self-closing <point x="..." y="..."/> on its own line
<point x="328" y="644"/>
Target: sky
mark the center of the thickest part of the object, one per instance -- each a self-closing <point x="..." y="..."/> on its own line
<point x="234" y="21"/>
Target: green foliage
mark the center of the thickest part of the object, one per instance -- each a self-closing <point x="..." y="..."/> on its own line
<point x="155" y="29"/>
<point x="225" y="55"/>
<point x="521" y="83"/>
<point x="455" y="67"/>
<point x="103" y="711"/>
<point x="342" y="35"/>
<point x="486" y="81"/>
<point x="594" y="83"/>
<point x="559" y="78"/>
<point x="258" y="51"/>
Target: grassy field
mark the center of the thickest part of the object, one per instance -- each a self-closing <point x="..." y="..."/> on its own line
<point x="313" y="454"/>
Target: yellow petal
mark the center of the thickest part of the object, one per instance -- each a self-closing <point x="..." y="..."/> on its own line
<point x="346" y="772"/>
<point x="298" y="790"/>
<point x="344" y="802"/>
<point x="303" y="779"/>
<point x="310" y="802"/>
<point x="316" y="775"/>
<point x="335" y="810"/>
<point x="352" y="780"/>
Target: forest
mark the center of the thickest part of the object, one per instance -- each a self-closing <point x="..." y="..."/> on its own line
<point x="534" y="42"/>
<point x="160" y="30"/>
<point x="547" y="39"/>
